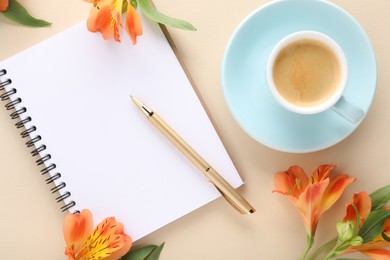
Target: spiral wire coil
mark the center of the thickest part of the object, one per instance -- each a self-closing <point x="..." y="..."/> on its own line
<point x="32" y="142"/>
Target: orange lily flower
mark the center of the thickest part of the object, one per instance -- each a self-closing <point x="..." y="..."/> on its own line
<point x="105" y="17"/>
<point x="107" y="241"/>
<point x="374" y="249"/>
<point x="3" y="5"/>
<point x="311" y="196"/>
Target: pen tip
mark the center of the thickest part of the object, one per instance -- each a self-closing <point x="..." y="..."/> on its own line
<point x="134" y="99"/>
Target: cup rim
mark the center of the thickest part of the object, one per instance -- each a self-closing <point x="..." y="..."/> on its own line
<point x="335" y="47"/>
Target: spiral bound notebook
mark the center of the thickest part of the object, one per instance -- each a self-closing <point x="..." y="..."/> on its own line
<point x="70" y="98"/>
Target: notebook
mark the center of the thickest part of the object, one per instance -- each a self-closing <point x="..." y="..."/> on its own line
<point x="70" y="98"/>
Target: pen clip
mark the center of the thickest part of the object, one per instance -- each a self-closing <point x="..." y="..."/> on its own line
<point x="230" y="201"/>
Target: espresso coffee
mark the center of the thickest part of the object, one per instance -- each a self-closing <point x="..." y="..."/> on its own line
<point x="306" y="72"/>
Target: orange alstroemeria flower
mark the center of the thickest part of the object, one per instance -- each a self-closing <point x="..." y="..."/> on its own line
<point x="105" y="17"/>
<point x="362" y="202"/>
<point x="311" y="196"/>
<point x="107" y="241"/>
<point x="375" y="249"/>
<point x="3" y="5"/>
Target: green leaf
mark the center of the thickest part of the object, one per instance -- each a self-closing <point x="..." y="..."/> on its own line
<point x="150" y="252"/>
<point x="380" y="197"/>
<point x="373" y="225"/>
<point x="134" y="3"/>
<point x="385" y="237"/>
<point x="155" y="254"/>
<point x="17" y="13"/>
<point x="140" y="253"/>
<point x="151" y="12"/>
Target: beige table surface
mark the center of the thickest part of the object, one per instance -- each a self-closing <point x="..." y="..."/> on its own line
<point x="30" y="220"/>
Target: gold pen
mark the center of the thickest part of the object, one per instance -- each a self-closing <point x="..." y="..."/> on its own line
<point x="227" y="191"/>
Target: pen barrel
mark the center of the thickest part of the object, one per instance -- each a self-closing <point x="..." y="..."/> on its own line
<point x="179" y="142"/>
<point x="227" y="191"/>
<point x="230" y="194"/>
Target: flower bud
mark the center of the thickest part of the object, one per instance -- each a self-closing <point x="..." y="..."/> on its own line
<point x="345" y="230"/>
<point x="356" y="241"/>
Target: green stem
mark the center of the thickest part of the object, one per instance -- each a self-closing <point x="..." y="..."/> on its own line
<point x="309" y="244"/>
<point x="330" y="255"/>
<point x="357" y="224"/>
<point x="340" y="246"/>
<point x="322" y="248"/>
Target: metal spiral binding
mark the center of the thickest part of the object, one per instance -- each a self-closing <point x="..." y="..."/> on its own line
<point x="33" y="141"/>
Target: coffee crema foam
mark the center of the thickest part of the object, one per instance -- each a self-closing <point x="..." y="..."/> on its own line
<point x="306" y="72"/>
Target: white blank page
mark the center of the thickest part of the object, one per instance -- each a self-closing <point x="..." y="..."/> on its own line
<point x="77" y="88"/>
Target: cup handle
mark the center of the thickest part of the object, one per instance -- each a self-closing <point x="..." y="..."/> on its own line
<point x="349" y="111"/>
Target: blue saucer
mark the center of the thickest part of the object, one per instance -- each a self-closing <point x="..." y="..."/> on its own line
<point x="244" y="83"/>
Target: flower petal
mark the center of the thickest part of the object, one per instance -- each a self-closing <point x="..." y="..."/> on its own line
<point x="367" y="247"/>
<point x="334" y="190"/>
<point x="362" y="202"/>
<point x="97" y="16"/>
<point x="321" y="173"/>
<point x="123" y="245"/>
<point x="77" y="228"/>
<point x="309" y="205"/>
<point x="291" y="182"/>
<point x="133" y="23"/>
<point x="377" y="254"/>
<point x="105" y="17"/>
<point x="3" y="5"/>
<point x="107" y="241"/>
<point x="94" y="2"/>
